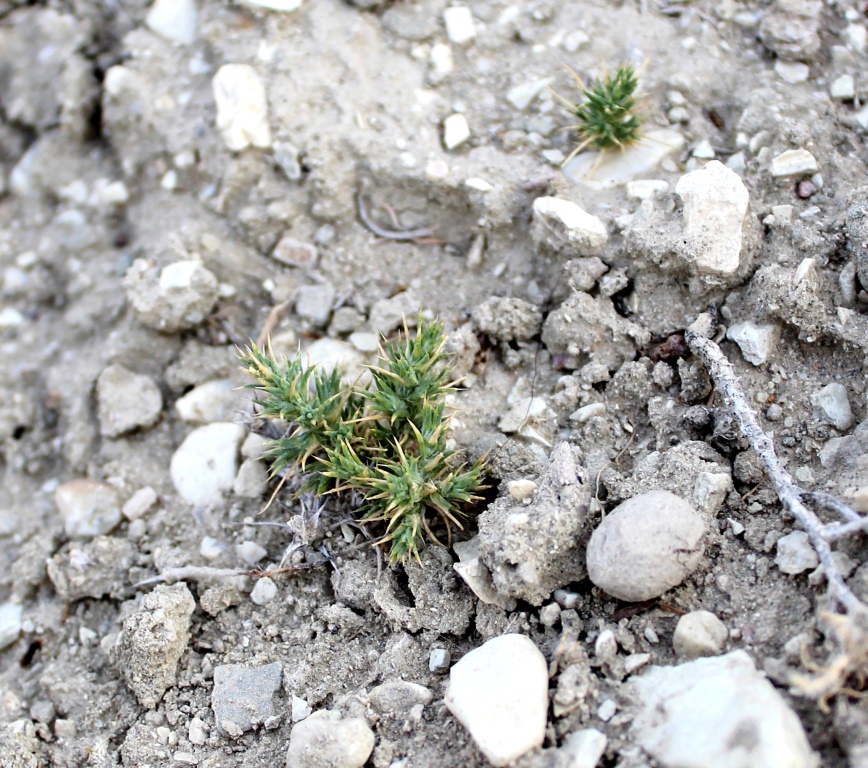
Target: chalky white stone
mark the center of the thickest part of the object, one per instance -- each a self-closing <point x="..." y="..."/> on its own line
<point x="10" y="623"/>
<point x="795" y="554"/>
<point x="794" y="162"/>
<point x="569" y="223"/>
<point x="645" y="546"/>
<point x="204" y="466"/>
<point x="699" y="633"/>
<point x="88" y="508"/>
<point x="715" y="204"/>
<point x="174" y="20"/>
<point x="460" y="28"/>
<point x="499" y="693"/>
<point x="242" y="108"/>
<point x="756" y="342"/>
<point x="832" y="405"/>
<point x="325" y="740"/>
<point x="212" y="401"/>
<point x="455" y="131"/>
<point x="717" y="711"/>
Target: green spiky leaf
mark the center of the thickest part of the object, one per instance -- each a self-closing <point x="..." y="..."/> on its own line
<point x="387" y="441"/>
<point x="607" y="116"/>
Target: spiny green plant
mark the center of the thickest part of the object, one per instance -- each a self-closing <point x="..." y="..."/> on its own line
<point x="387" y="440"/>
<point x="607" y="115"/>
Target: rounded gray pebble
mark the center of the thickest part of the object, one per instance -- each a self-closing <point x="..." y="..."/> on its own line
<point x="645" y="546"/>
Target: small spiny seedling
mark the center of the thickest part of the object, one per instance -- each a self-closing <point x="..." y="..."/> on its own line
<point x="387" y="441"/>
<point x="607" y="115"/>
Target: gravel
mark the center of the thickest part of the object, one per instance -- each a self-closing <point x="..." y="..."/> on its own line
<point x="87" y="508"/>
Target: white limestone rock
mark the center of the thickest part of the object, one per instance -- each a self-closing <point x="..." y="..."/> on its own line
<point x="699" y="633"/>
<point x="212" y="401"/>
<point x="499" y="693"/>
<point x="456" y="131"/>
<point x="242" y="107"/>
<point x="646" y="545"/>
<point x="174" y="20"/>
<point x="325" y="739"/>
<point x="126" y="401"/>
<point x="10" y="624"/>
<point x="205" y="465"/>
<point x="757" y="342"/>
<point x="564" y="226"/>
<point x="832" y="405"/>
<point x="717" y="711"/>
<point x="794" y="162"/>
<point x="460" y="28"/>
<point x="715" y="205"/>
<point x="87" y="508"/>
<point x="795" y="554"/>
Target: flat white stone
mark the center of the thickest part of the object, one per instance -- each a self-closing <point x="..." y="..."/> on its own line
<point x="832" y="405"/>
<point x="212" y="401"/>
<point x="242" y="108"/>
<point x="264" y="591"/>
<point x="250" y="552"/>
<point x="455" y="131"/>
<point x="499" y="693"/>
<point x="703" y="150"/>
<point x="793" y="162"/>
<point x="441" y="60"/>
<point x="460" y="28"/>
<point x="715" y="205"/>
<point x="756" y="342"/>
<point x="843" y="88"/>
<point x="795" y="554"/>
<point x="598" y="169"/>
<point x="274" y="5"/>
<point x="571" y="224"/>
<point x="584" y="748"/>
<point x="792" y="72"/>
<point x="139" y="503"/>
<point x="10" y="624"/>
<point x="174" y="20"/>
<point x="699" y="633"/>
<point x="717" y="712"/>
<point x="522" y="95"/>
<point x="204" y="466"/>
<point x="642" y="189"/>
<point x="87" y="508"/>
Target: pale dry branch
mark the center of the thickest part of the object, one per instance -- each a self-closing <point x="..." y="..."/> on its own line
<point x="850" y="629"/>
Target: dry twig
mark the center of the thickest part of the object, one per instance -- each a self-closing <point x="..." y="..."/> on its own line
<point x="850" y="628"/>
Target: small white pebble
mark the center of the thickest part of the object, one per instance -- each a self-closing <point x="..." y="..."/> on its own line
<point x="460" y="28"/>
<point x="264" y="591"/>
<point x="139" y="503"/>
<point x="521" y="489"/>
<point x="607" y="710"/>
<point x="455" y="130"/>
<point x="250" y="552"/>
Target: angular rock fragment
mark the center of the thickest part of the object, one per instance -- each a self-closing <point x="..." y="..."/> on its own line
<point x="243" y="696"/>
<point x="718" y="711"/>
<point x="499" y="693"/>
<point x="326" y="739"/>
<point x="153" y="640"/>
<point x="126" y="401"/>
<point x="533" y="549"/>
<point x="563" y="226"/>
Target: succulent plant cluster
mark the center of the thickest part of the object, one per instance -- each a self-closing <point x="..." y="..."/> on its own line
<point x="386" y="440"/>
<point x="607" y="115"/>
